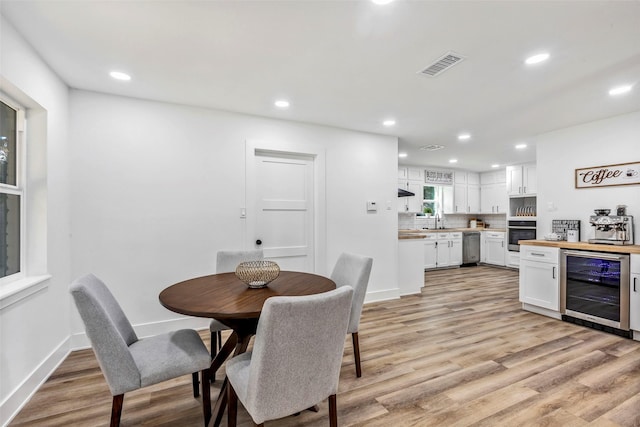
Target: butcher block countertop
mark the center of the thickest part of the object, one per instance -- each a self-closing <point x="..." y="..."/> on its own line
<point x="420" y="233"/>
<point x="584" y="246"/>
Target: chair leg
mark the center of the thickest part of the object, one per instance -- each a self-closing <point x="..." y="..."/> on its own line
<point x="356" y="353"/>
<point x="116" y="410"/>
<point x="333" y="411"/>
<point x="216" y="345"/>
<point x="196" y="383"/>
<point x="232" y="406"/>
<point x="206" y="396"/>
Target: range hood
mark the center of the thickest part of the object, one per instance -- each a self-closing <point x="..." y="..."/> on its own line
<point x="404" y="193"/>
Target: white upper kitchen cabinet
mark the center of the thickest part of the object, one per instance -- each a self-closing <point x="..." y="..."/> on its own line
<point x="402" y="173"/>
<point x="411" y="173"/>
<point x="522" y="180"/>
<point x="410" y="203"/>
<point x="410" y="179"/>
<point x="493" y="192"/>
<point x="415" y="174"/>
<point x="466" y="192"/>
<point x="493" y="177"/>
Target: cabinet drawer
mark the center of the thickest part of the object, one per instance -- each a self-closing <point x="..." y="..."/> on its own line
<point x="540" y="254"/>
<point x="443" y="236"/>
<point x="431" y="236"/>
<point x="494" y="235"/>
<point x="456" y="235"/>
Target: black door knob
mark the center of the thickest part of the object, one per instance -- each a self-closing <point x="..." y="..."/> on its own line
<point x="258" y="242"/>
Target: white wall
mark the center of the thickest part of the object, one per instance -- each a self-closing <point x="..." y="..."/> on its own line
<point x="143" y="194"/>
<point x="604" y="142"/>
<point x="157" y="191"/>
<point x="34" y="331"/>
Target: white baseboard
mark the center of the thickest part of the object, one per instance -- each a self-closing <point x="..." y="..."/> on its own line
<point x="543" y="311"/>
<point x="385" y="295"/>
<point x="10" y="407"/>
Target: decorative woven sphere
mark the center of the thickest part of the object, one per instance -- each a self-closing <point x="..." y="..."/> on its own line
<point x="257" y="274"/>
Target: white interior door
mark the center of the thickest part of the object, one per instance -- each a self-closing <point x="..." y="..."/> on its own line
<point x="280" y="211"/>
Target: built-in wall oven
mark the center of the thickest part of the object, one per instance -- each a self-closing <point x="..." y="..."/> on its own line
<point x="594" y="290"/>
<point x="520" y="230"/>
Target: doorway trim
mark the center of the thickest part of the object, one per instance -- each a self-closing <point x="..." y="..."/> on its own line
<point x="318" y="153"/>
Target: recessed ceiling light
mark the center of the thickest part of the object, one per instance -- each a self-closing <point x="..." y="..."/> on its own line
<point x="536" y="59"/>
<point x="381" y="2"/>
<point x="282" y="103"/>
<point x="464" y="136"/>
<point x="619" y="90"/>
<point x="521" y="146"/>
<point x="495" y="165"/>
<point x="402" y="155"/>
<point x="453" y="160"/>
<point x="389" y="122"/>
<point x="119" y="75"/>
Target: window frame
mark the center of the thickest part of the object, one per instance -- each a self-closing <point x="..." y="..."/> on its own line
<point x="20" y="188"/>
<point x="438" y="202"/>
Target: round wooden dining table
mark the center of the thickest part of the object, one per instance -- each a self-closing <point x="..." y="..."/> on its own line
<point x="227" y="299"/>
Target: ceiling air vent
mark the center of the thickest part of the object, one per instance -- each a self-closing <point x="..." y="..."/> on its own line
<point x="443" y="63"/>
<point x="432" y="147"/>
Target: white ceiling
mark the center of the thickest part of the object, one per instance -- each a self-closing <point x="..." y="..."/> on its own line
<point x="352" y="64"/>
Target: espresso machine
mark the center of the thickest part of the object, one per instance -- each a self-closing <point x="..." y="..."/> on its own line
<point x="610" y="229"/>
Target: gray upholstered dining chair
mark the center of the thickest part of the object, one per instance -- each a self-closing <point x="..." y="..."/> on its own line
<point x="296" y="357"/>
<point x="129" y="363"/>
<point x="226" y="262"/>
<point x="354" y="270"/>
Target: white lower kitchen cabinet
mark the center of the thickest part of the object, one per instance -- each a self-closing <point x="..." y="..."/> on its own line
<point x="430" y="251"/>
<point x="513" y="259"/>
<point x="634" y="296"/>
<point x="494" y="248"/>
<point x="540" y="278"/>
<point x="410" y="270"/>
<point x="449" y="249"/>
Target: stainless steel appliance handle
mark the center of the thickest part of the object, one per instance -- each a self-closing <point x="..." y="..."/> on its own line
<point x="601" y="255"/>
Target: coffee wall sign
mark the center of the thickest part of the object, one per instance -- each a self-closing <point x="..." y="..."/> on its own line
<point x="607" y="176"/>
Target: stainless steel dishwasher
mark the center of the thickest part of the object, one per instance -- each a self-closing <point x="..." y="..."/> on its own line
<point x="470" y="247"/>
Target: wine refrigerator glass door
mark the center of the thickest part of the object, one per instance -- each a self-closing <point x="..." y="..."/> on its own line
<point x="595" y="287"/>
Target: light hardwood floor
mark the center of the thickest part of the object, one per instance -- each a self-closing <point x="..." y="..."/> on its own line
<point x="461" y="353"/>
